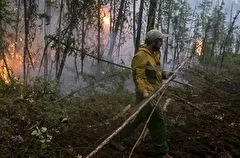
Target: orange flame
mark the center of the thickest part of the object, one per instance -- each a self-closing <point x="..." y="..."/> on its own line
<point x="14" y="63"/>
<point x="4" y="75"/>
<point x="199" y="46"/>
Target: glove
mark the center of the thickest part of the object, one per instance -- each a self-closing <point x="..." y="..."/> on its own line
<point x="146" y="94"/>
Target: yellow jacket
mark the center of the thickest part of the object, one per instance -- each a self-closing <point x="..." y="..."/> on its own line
<point x="147" y="73"/>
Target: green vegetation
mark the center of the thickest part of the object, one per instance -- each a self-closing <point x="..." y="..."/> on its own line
<point x="32" y="123"/>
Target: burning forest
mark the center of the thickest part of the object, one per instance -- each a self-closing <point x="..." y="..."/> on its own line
<point x="77" y="75"/>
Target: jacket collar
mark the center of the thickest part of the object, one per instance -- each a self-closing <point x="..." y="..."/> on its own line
<point x="147" y="50"/>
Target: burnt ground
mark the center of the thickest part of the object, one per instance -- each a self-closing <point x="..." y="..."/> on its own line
<point x="213" y="131"/>
<point x="78" y="126"/>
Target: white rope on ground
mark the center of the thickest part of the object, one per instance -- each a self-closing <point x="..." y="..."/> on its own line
<point x="142" y="105"/>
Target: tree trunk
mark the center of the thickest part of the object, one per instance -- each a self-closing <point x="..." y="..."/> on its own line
<point x="99" y="38"/>
<point x="47" y="10"/>
<point x="83" y="39"/>
<point x="57" y="55"/>
<point x="116" y="29"/>
<point x="159" y="20"/>
<point x="168" y="29"/>
<point x="139" y="27"/>
<point x="134" y="21"/>
<point x="65" y="52"/>
<point x="151" y="14"/>
<point x="26" y="26"/>
<point x="16" y="28"/>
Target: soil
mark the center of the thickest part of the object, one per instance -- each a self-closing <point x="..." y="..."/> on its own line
<point x="212" y="132"/>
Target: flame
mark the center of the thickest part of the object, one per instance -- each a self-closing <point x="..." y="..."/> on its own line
<point x="14" y="63"/>
<point x="199" y="46"/>
<point x="4" y="75"/>
<point x="106" y="21"/>
<point x="105" y="14"/>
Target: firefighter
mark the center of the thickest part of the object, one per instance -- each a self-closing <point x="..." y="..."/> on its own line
<point x="148" y="76"/>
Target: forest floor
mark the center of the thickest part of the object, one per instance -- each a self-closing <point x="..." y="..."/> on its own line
<point x="212" y="132"/>
<point x="78" y="126"/>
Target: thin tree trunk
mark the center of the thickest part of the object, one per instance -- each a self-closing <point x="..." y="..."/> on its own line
<point x="116" y="29"/>
<point x="151" y="14"/>
<point x="111" y="16"/>
<point x="57" y="55"/>
<point x="168" y="29"/>
<point x="139" y="27"/>
<point x="16" y="28"/>
<point x="83" y="39"/>
<point x="65" y="52"/>
<point x="75" y="65"/>
<point x="114" y="15"/>
<point x="159" y="21"/>
<point x="99" y="37"/>
<point x="26" y="21"/>
<point x="134" y="21"/>
<point x="46" y="32"/>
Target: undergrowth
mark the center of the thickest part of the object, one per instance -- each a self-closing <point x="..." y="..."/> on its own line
<point x="33" y="124"/>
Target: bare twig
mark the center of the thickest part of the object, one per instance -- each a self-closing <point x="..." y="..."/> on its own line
<point x="186" y="101"/>
<point x="186" y="84"/>
<point x="119" y="115"/>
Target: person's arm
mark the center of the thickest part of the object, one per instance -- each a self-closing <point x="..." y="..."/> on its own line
<point x="139" y="63"/>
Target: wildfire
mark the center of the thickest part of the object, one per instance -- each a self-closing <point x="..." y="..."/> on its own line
<point x="106" y="21"/>
<point x="106" y="18"/>
<point x="4" y="74"/>
<point x="12" y="64"/>
<point x="199" y="46"/>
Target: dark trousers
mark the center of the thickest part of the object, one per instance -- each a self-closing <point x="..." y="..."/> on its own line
<point x="156" y="126"/>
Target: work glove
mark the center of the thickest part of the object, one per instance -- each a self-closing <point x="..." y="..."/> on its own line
<point x="146" y="94"/>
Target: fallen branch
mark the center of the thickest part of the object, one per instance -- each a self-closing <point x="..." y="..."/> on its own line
<point x="186" y="101"/>
<point x="119" y="115"/>
<point x="186" y="84"/>
<point x="141" y="106"/>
